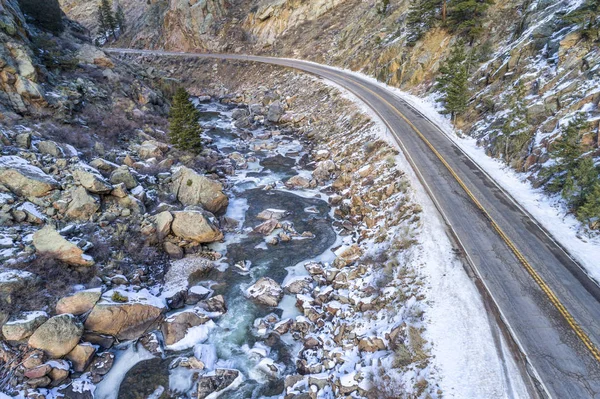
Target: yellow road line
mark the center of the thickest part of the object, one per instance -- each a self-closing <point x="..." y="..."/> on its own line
<point x="536" y="277"/>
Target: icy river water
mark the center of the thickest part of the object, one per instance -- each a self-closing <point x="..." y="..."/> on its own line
<point x="235" y="342"/>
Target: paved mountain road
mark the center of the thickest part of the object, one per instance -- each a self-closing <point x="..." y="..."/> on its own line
<point x="553" y="309"/>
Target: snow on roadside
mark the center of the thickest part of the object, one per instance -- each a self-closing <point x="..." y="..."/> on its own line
<point x="469" y="362"/>
<point x="548" y="211"/>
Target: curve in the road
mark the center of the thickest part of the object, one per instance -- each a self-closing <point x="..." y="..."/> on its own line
<point x="549" y="304"/>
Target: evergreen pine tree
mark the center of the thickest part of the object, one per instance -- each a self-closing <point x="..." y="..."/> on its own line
<point x="452" y="82"/>
<point x="590" y="210"/>
<point x="466" y="16"/>
<point x="184" y="126"/>
<point x="421" y="17"/>
<point x="106" y="20"/>
<point x="120" y="19"/>
<point x="515" y="132"/>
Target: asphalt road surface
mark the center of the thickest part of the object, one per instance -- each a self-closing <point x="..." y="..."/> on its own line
<point x="549" y="305"/>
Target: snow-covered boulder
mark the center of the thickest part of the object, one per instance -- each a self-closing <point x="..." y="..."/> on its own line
<point x="265" y="291"/>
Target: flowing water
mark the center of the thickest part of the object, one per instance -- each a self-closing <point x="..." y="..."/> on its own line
<point x="234" y="339"/>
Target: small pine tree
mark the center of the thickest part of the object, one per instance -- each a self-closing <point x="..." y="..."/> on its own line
<point x="574" y="174"/>
<point x="120" y="19"/>
<point x="466" y="16"/>
<point x="106" y="20"/>
<point x="515" y="132"/>
<point x="184" y="123"/>
<point x="422" y="16"/>
<point x="590" y="210"/>
<point x="452" y="82"/>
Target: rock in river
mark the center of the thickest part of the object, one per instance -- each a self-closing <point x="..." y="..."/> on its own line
<point x="265" y="291"/>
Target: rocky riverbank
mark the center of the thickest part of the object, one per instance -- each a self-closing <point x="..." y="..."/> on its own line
<point x="115" y="224"/>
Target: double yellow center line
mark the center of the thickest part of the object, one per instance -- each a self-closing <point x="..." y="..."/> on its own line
<point x="536" y="277"/>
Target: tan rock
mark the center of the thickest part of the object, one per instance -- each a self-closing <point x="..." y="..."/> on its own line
<point x="150" y="149"/>
<point x="81" y="356"/>
<point x="57" y="336"/>
<point x="78" y="303"/>
<point x="91" y="179"/>
<point x="24" y="179"/>
<point x="23" y="326"/>
<point x="192" y="188"/>
<point x="163" y="224"/>
<point x="265" y="291"/>
<point x="125" y="320"/>
<point x="49" y="241"/>
<point x="193" y="225"/>
<point x="82" y="205"/>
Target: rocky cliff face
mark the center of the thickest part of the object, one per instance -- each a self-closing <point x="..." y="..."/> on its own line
<point x="522" y="42"/>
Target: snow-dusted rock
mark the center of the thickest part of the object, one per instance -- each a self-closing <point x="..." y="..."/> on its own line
<point x="129" y="319"/>
<point x="176" y="326"/>
<point x="265" y="291"/>
<point x="91" y="179"/>
<point x="23" y="326"/>
<point x="192" y="188"/>
<point x="24" y="179"/>
<point x="81" y="356"/>
<point x="78" y="303"/>
<point x="195" y="226"/>
<point x="57" y="336"/>
<point x="50" y="148"/>
<point x="49" y="241"/>
<point x="218" y="381"/>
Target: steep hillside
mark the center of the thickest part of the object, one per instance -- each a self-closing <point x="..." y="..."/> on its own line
<point x="531" y="55"/>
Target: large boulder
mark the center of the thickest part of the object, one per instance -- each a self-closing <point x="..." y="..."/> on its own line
<point x="195" y="226"/>
<point x="49" y="241"/>
<point x="91" y="179"/>
<point x="82" y="205"/>
<point x="23" y="326"/>
<point x="125" y="315"/>
<point x="57" y="336"/>
<point x="192" y="188"/>
<point x="176" y="326"/>
<point x="79" y="303"/>
<point x="24" y="179"/>
<point x="265" y="291"/>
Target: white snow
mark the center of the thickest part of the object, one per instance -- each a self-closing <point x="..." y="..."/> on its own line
<point x="207" y="354"/>
<point x="108" y="388"/>
<point x="193" y="336"/>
